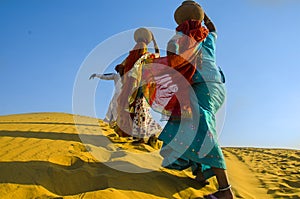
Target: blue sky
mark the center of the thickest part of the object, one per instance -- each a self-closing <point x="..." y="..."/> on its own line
<point x="43" y="44"/>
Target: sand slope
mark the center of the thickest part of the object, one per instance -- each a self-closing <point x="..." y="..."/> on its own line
<point x="44" y="155"/>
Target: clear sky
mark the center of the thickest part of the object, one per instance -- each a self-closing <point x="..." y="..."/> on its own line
<point x="43" y="44"/>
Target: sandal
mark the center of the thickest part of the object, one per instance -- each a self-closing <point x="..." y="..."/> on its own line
<point x="212" y="196"/>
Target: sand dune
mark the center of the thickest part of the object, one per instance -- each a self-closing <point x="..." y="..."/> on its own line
<point x="45" y="155"/>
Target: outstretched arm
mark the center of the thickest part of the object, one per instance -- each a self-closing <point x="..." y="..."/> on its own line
<point x="209" y="24"/>
<point x="109" y="76"/>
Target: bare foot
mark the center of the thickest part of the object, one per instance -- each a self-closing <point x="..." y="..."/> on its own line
<point x="138" y="141"/>
<point x="200" y="179"/>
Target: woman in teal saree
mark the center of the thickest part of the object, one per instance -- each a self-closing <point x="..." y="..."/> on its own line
<point x="190" y="137"/>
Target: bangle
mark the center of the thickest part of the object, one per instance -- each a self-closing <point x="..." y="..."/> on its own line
<point x="225" y="189"/>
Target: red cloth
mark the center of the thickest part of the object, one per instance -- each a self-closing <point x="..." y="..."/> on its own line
<point x="193" y="29"/>
<point x="139" y="49"/>
<point x="125" y="118"/>
<point x="176" y="66"/>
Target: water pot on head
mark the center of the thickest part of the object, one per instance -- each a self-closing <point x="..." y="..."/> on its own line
<point x="188" y="10"/>
<point x="143" y="35"/>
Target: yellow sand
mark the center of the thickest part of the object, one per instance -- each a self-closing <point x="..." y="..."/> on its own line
<point x="45" y="155"/>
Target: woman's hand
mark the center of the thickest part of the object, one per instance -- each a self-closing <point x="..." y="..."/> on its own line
<point x="93" y="76"/>
<point x="155" y="44"/>
<point x="206" y="19"/>
<point x="209" y="24"/>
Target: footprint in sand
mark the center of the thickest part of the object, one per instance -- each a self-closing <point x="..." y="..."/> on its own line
<point x="79" y="148"/>
<point x="76" y="163"/>
<point x="71" y="162"/>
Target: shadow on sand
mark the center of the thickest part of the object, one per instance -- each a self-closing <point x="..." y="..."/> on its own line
<point x="81" y="177"/>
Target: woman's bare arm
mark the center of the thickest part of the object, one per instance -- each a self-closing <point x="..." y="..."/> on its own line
<point x="209" y="24"/>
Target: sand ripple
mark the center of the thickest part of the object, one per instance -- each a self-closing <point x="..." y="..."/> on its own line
<point x="45" y="155"/>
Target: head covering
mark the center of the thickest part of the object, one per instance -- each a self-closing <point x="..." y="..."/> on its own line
<point x="179" y="65"/>
<point x="120" y="69"/>
<point x="187" y="11"/>
<point x="143" y="37"/>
